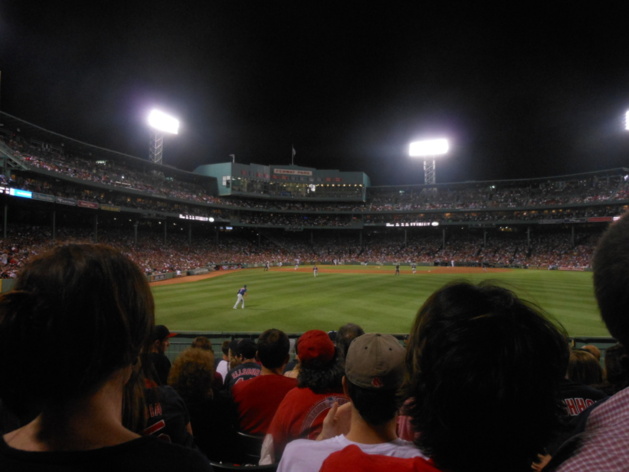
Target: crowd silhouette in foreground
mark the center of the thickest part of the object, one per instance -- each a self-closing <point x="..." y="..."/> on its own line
<point x="485" y="382"/>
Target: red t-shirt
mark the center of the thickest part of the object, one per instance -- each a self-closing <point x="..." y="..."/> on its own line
<point x="353" y="458"/>
<point x="300" y="415"/>
<point x="257" y="400"/>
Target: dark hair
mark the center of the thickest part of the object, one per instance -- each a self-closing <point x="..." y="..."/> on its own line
<point x="376" y="407"/>
<point x="321" y="378"/>
<point x="345" y="335"/>
<point x="273" y="346"/>
<point x="201" y="342"/>
<point x="246" y="348"/>
<point x="611" y="278"/>
<point x="88" y="311"/>
<point x="225" y="347"/>
<point x="583" y="368"/>
<point x="484" y="369"/>
<point x="617" y="367"/>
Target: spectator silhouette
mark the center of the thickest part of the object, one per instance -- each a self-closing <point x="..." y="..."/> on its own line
<point x="616" y="369"/>
<point x="89" y="311"/>
<point x="211" y="415"/>
<point x="603" y="442"/>
<point x="160" y="343"/>
<point x="345" y="335"/>
<point x="257" y="399"/>
<point x="374" y="370"/>
<point x="483" y="372"/>
<point x="247" y="367"/>
<point x="303" y="409"/>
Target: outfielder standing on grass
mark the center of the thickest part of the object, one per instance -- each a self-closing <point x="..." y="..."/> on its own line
<point x="241" y="297"/>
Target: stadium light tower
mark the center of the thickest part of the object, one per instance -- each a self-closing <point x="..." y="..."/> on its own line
<point x="161" y="123"/>
<point x="429" y="150"/>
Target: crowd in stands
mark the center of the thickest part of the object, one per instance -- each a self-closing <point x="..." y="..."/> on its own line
<point x="178" y="253"/>
<point x="442" y="400"/>
<point x="311" y="216"/>
<point x="134" y="184"/>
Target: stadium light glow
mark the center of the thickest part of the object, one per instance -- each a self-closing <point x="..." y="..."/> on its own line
<point x="160" y="121"/>
<point x="429" y="148"/>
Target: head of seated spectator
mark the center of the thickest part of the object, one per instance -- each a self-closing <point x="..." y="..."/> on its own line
<point x="90" y="312"/>
<point x="484" y="368"/>
<point x="202" y="342"/>
<point x="320" y="369"/>
<point x="592" y="349"/>
<point x="345" y="335"/>
<point x="192" y="374"/>
<point x="272" y="350"/>
<point x="233" y="353"/>
<point x="374" y="370"/>
<point x="616" y="368"/>
<point x="583" y="368"/>
<point x="246" y="350"/>
<point x="247" y="367"/>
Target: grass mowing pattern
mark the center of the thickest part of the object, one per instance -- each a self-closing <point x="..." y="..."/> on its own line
<point x="295" y="301"/>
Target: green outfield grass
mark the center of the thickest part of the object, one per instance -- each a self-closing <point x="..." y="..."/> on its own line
<point x="376" y="299"/>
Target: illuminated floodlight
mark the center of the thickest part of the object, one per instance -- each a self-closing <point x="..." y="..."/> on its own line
<point x="429" y="150"/>
<point x="160" y="121"/>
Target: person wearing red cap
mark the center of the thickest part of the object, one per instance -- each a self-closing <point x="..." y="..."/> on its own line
<point x="303" y="409"/>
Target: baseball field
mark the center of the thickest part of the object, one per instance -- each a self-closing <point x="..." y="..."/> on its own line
<point x="371" y="296"/>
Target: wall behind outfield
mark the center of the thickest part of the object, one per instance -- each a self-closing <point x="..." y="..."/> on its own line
<point x="6" y="285"/>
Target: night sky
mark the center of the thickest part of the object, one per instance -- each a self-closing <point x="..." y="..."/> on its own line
<point x="522" y="89"/>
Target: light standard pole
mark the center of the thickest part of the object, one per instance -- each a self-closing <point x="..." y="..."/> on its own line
<point x="429" y="150"/>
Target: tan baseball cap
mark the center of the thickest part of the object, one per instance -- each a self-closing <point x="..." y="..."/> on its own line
<point x="375" y="361"/>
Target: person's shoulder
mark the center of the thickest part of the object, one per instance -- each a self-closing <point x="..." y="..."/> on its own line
<point x="167" y="393"/>
<point x="404" y="448"/>
<point x="161" y="454"/>
<point x="298" y="445"/>
<point x="353" y="458"/>
<point x="246" y="385"/>
<point x="286" y="382"/>
<point x="311" y="448"/>
<point x="274" y="380"/>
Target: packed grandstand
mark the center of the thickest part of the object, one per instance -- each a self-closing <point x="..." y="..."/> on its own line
<point x="171" y="221"/>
